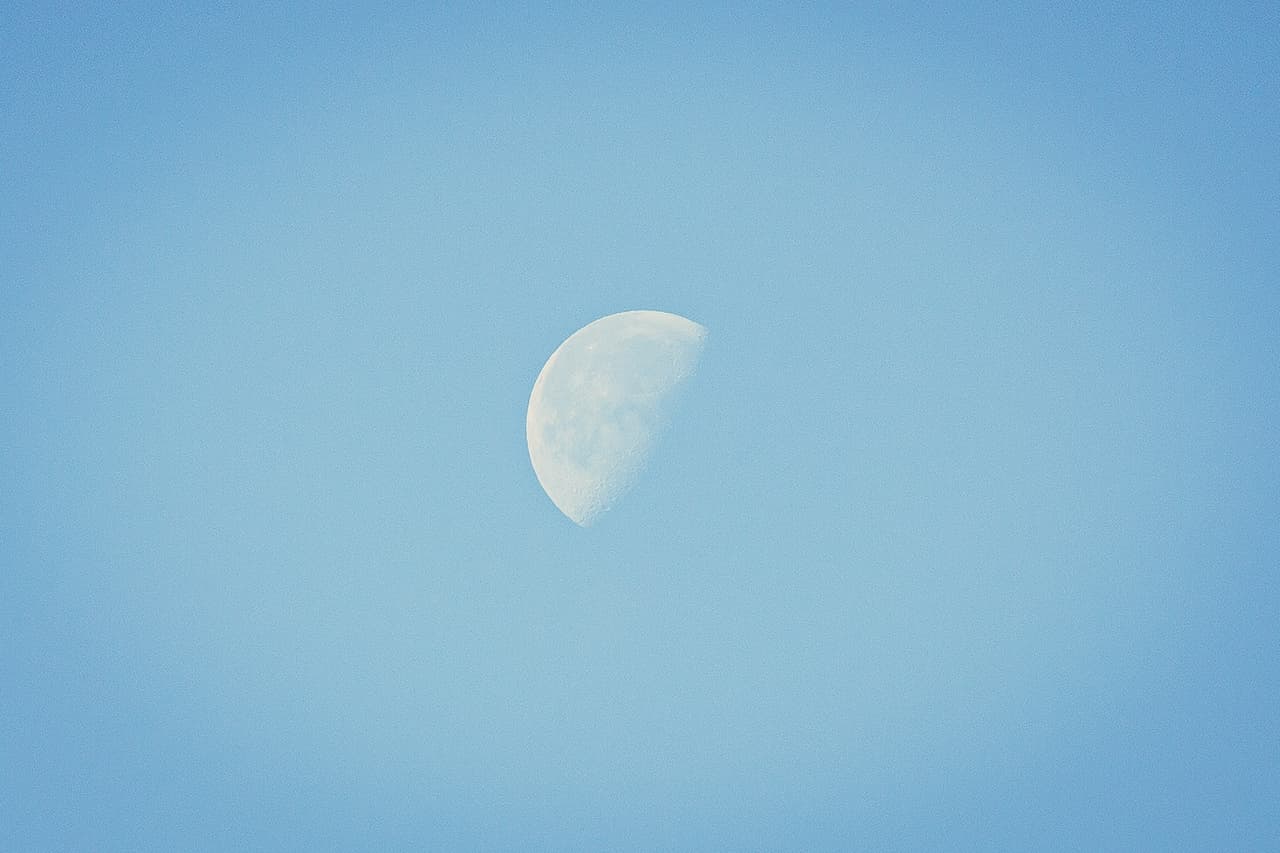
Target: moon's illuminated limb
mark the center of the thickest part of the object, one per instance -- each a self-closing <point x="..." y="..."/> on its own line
<point x="601" y="401"/>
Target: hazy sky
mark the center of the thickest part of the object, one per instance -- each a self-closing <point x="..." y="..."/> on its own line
<point x="964" y="536"/>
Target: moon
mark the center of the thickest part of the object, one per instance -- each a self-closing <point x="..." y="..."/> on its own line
<point x="600" y="403"/>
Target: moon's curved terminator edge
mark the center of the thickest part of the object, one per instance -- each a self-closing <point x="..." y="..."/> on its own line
<point x="600" y="403"/>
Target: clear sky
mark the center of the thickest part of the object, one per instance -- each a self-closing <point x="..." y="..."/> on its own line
<point x="965" y="535"/>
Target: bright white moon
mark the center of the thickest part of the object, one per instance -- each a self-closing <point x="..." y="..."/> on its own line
<point x="601" y="401"/>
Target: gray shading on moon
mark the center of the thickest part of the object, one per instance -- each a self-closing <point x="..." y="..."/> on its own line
<point x="601" y="402"/>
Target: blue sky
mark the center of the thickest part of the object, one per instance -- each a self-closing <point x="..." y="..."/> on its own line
<point x="964" y="536"/>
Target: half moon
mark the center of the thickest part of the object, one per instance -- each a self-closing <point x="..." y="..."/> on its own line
<point x="600" y="403"/>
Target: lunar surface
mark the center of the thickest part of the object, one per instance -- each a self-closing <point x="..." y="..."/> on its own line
<point x="600" y="403"/>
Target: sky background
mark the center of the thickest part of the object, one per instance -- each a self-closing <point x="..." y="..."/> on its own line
<point x="964" y="536"/>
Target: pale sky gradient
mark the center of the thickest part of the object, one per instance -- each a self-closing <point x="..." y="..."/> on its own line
<point x="966" y="535"/>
